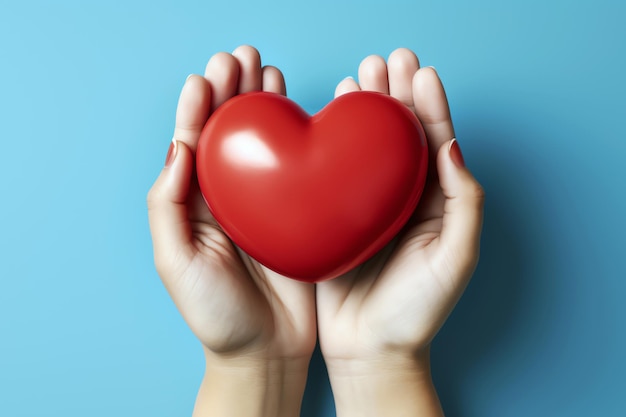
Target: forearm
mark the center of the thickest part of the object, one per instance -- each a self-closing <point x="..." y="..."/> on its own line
<point x="391" y="387"/>
<point x="239" y="387"/>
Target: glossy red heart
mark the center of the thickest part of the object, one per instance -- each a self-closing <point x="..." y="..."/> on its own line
<point x="312" y="197"/>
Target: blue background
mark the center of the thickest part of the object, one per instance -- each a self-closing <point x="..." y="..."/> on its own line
<point x="88" y="92"/>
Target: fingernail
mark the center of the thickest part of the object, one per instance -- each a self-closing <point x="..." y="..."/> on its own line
<point x="188" y="77"/>
<point x="430" y="66"/>
<point x="455" y="153"/>
<point x="171" y="153"/>
<point x="349" y="77"/>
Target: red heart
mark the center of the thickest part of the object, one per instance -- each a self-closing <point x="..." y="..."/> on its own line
<point x="312" y="197"/>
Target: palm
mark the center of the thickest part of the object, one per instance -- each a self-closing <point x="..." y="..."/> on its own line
<point x="253" y="306"/>
<point x="250" y="302"/>
<point x="391" y="295"/>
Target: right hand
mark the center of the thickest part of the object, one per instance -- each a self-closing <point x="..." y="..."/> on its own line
<point x="234" y="306"/>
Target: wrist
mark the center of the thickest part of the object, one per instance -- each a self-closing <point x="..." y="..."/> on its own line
<point x="393" y="384"/>
<point x="251" y="387"/>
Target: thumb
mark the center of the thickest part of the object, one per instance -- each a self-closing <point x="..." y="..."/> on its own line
<point x="167" y="209"/>
<point x="463" y="207"/>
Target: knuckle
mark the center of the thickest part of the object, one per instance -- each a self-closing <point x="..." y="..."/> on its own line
<point x="473" y="191"/>
<point x="161" y="265"/>
<point x="463" y="261"/>
<point x="478" y="192"/>
<point x="152" y="197"/>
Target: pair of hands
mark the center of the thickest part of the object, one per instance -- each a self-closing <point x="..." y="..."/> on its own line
<point x="375" y="323"/>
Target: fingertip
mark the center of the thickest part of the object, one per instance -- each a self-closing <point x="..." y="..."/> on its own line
<point x="182" y="168"/>
<point x="373" y="74"/>
<point x="192" y="110"/>
<point x="430" y="100"/>
<point x="167" y="211"/>
<point x="195" y="89"/>
<point x="173" y="184"/>
<point x="222" y="72"/>
<point x="273" y="80"/>
<point x="403" y="58"/>
<point x="454" y="151"/>
<point x="456" y="180"/>
<point x="171" y="153"/>
<point x="402" y="65"/>
<point x="446" y="166"/>
<point x="431" y="107"/>
<point x="425" y="79"/>
<point x="463" y="207"/>
<point x="194" y="78"/>
<point x="347" y="85"/>
<point x="219" y="62"/>
<point x="250" y="75"/>
<point x="247" y="50"/>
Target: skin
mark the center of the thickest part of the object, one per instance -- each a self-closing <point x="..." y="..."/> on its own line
<point x="375" y="324"/>
<point x="254" y="325"/>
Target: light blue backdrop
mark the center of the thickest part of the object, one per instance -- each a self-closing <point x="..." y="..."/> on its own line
<point x="87" y="98"/>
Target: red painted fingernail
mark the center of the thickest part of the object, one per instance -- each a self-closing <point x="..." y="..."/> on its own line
<point x="171" y="153"/>
<point x="455" y="153"/>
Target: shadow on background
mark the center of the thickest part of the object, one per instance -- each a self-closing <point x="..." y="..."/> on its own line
<point x="485" y="325"/>
<point x="482" y="318"/>
<point x="318" y="398"/>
